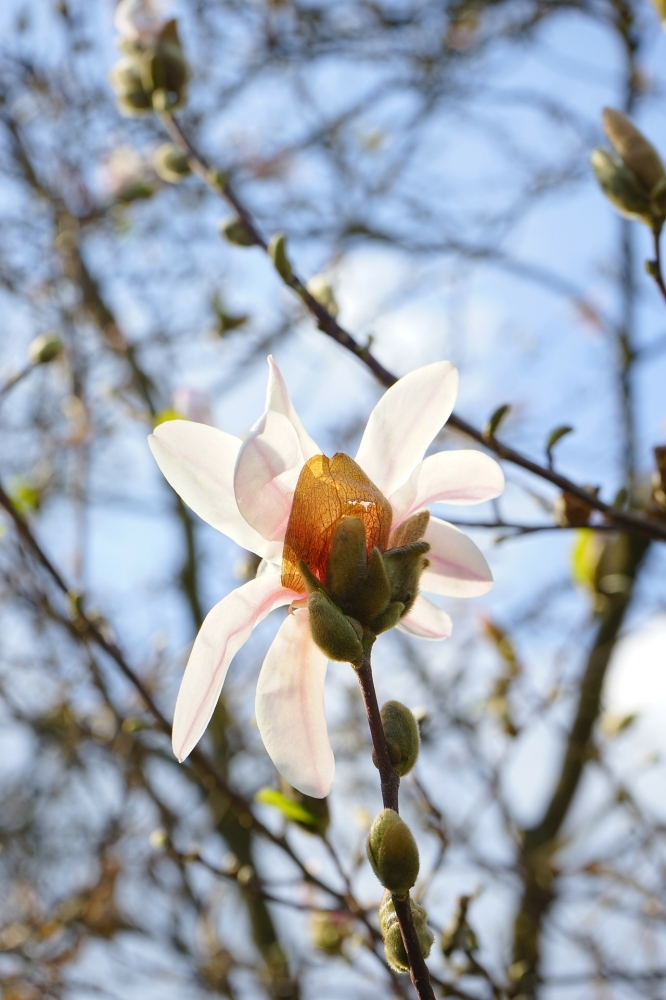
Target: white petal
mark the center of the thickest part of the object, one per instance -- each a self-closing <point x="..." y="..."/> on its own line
<point x="277" y="398"/>
<point x="458" y="477"/>
<point x="426" y="620"/>
<point x="457" y="567"/>
<point x="222" y="634"/>
<point x="404" y="422"/>
<point x="290" y="708"/>
<point x="266" y="474"/>
<point x="198" y="461"/>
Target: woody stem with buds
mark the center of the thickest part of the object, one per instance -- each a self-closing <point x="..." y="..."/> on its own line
<point x="390" y="785"/>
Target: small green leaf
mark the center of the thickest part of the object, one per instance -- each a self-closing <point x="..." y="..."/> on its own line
<point x="556" y="436"/>
<point x="496" y="419"/>
<point x="24" y="495"/>
<point x="289" y="809"/>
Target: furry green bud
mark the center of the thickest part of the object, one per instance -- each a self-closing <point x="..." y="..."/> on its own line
<point x="632" y="147"/>
<point x="164" y="67"/>
<point x="404" y="566"/>
<point x="45" y="348"/>
<point x="332" y="631"/>
<point x="132" y="97"/>
<point x="277" y="248"/>
<point x="393" y="853"/>
<point x="170" y="163"/>
<point x="388" y="618"/>
<point x="235" y="231"/>
<point x="402" y="736"/>
<point x="346" y="564"/>
<point x="394" y="948"/>
<point x="620" y="184"/>
<point x="658" y="198"/>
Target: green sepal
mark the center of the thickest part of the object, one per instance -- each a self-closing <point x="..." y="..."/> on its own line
<point x="374" y="592"/>
<point x="346" y="566"/>
<point x="310" y="581"/>
<point x="388" y="618"/>
<point x="332" y="631"/>
<point x="404" y="566"/>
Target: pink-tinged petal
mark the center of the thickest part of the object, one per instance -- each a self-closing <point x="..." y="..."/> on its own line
<point x="290" y="708"/>
<point x="457" y="567"/>
<point x="426" y="620"/>
<point x="277" y="398"/>
<point x="267" y="470"/>
<point x="404" y="422"/>
<point x="459" y="477"/>
<point x="226" y="627"/>
<point x="198" y="462"/>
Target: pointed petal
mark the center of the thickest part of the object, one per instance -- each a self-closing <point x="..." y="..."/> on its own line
<point x="457" y="567"/>
<point x="277" y="398"/>
<point x="426" y="620"/>
<point x="459" y="477"/>
<point x="267" y="470"/>
<point x="226" y="627"/>
<point x="198" y="462"/>
<point x="404" y="422"/>
<point x="290" y="708"/>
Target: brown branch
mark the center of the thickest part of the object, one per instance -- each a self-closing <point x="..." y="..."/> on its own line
<point x="624" y="521"/>
<point x="540" y="841"/>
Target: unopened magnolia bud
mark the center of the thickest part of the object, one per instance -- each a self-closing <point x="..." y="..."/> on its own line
<point x="396" y="956"/>
<point x="277" y="248"/>
<point x="402" y="736"/>
<point x="332" y="631"/>
<point x="393" y="853"/>
<point x="404" y="566"/>
<point x="235" y="231"/>
<point x="632" y="146"/>
<point x="164" y="67"/>
<point x="320" y="290"/>
<point x="330" y="929"/>
<point x="620" y="184"/>
<point x="45" y="348"/>
<point x="133" y="98"/>
<point x="170" y="163"/>
<point x="660" y="7"/>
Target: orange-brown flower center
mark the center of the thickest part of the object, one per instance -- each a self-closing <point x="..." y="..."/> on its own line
<point x="327" y="491"/>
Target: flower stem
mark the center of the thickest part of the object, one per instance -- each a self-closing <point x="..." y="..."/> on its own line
<point x="390" y="784"/>
<point x="656" y="268"/>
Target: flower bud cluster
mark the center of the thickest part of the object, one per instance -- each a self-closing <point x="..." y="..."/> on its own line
<point x="360" y="595"/>
<point x="632" y="176"/>
<point x="153" y="73"/>
<point x="394" y="947"/>
<point x="403" y="738"/>
<point x="393" y="853"/>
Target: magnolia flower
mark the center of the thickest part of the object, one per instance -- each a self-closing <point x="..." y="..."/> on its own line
<point x="139" y="20"/>
<point x="247" y="490"/>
